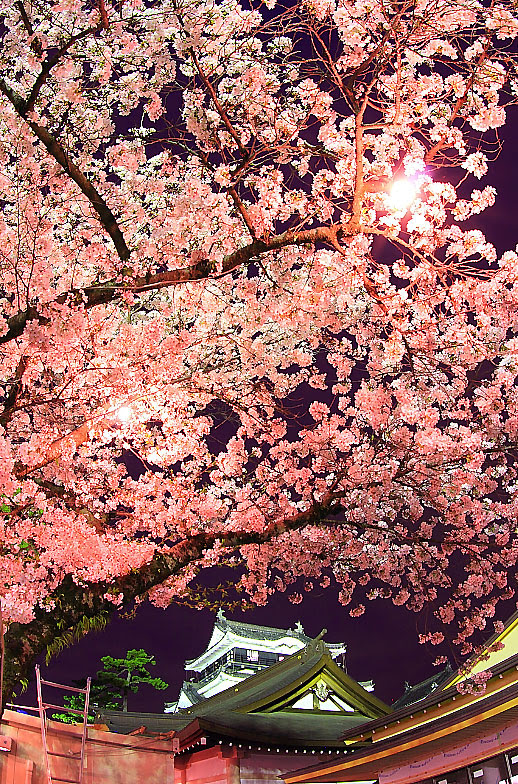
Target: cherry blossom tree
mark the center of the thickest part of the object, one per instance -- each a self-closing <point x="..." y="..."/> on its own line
<point x="247" y="310"/>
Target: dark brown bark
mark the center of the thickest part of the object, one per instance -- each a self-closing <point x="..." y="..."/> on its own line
<point x="14" y="392"/>
<point x="108" y="291"/>
<point x="35" y="44"/>
<point x="57" y="151"/>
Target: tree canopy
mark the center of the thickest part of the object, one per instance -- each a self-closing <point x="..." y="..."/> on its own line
<point x="248" y="308"/>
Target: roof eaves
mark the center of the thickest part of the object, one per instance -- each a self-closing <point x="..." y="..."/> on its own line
<point x="432" y="699"/>
<point x="402" y="739"/>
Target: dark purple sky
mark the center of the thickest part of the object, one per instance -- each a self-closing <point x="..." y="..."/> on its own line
<point x="381" y="645"/>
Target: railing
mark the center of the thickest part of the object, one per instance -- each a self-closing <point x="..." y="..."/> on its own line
<point x="234" y="662"/>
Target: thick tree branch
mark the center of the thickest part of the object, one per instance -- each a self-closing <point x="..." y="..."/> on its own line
<point x="25" y="642"/>
<point x="56" y="151"/>
<point x="14" y="392"/>
<point x="105" y="23"/>
<point x="35" y="43"/>
<point x="102" y="294"/>
<point x="51" y="62"/>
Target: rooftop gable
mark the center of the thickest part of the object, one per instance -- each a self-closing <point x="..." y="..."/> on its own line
<point x="453" y="721"/>
<point x="279" y="686"/>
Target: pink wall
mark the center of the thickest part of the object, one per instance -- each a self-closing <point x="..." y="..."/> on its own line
<point x="257" y="768"/>
<point x="235" y="765"/>
<point x="130" y="759"/>
<point x="210" y="766"/>
<point x="110" y="758"/>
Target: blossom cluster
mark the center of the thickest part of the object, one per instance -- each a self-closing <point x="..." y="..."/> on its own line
<point x="205" y="351"/>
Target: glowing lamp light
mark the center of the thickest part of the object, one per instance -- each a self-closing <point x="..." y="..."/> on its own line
<point x="403" y="193"/>
<point x="124" y="413"/>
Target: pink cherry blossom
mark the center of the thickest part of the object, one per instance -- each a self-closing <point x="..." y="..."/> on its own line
<point x="196" y="202"/>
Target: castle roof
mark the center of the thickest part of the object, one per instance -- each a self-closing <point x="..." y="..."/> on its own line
<point x="270" y="706"/>
<point x="256" y="632"/>
<point x="227" y="635"/>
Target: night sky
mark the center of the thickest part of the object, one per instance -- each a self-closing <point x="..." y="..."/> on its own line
<point x="382" y="644"/>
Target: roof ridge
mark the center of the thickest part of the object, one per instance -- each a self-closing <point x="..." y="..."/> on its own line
<point x="223" y="622"/>
<point x="313" y="648"/>
<point x="255" y="626"/>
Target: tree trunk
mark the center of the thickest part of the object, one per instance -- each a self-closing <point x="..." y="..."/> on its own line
<point x="126" y="692"/>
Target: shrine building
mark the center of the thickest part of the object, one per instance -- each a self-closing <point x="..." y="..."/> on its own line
<point x="263" y="705"/>
<point x="262" y="687"/>
<point x="464" y="731"/>
<point x="238" y="650"/>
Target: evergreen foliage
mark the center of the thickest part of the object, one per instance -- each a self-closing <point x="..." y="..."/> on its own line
<point x="112" y="685"/>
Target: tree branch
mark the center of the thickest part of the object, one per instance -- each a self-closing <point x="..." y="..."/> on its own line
<point x="51" y="62"/>
<point x="10" y="400"/>
<point x="219" y="108"/>
<point x="24" y="642"/>
<point x="73" y="439"/>
<point x="75" y="503"/>
<point x="102" y="294"/>
<point x="35" y="43"/>
<point x="240" y="207"/>
<point x="56" y="151"/>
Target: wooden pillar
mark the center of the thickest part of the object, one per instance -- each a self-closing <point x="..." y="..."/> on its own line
<point x="180" y="770"/>
<point x="29" y="767"/>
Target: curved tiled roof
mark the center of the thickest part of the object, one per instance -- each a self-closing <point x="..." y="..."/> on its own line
<point x="253" y="632"/>
<point x="258" y="708"/>
<point x="261" y="632"/>
<point x="421" y="690"/>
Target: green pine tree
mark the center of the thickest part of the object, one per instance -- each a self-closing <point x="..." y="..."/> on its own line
<point x="112" y="685"/>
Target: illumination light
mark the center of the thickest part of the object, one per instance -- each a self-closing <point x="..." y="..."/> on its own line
<point x="403" y="193"/>
<point x="124" y="413"/>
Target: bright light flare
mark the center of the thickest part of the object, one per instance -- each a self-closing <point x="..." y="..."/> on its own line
<point x="403" y="193"/>
<point x="124" y="413"/>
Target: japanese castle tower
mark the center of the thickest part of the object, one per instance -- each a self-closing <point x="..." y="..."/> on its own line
<point x="237" y="651"/>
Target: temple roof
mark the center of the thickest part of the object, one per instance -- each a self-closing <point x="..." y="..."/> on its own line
<point x="411" y="736"/>
<point x="419" y="691"/>
<point x="265" y="708"/>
